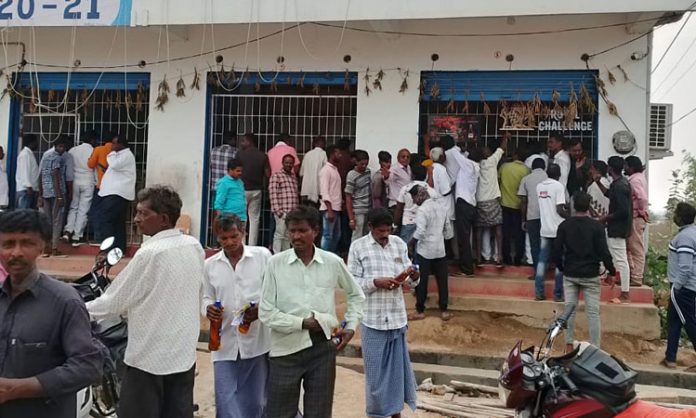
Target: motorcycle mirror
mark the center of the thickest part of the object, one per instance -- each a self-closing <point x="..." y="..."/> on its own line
<point x="114" y="256"/>
<point x="107" y="243"/>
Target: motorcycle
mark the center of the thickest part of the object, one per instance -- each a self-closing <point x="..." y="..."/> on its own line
<point x="101" y="399"/>
<point x="585" y="382"/>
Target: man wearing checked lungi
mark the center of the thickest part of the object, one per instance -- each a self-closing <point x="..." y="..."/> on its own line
<point x="377" y="262"/>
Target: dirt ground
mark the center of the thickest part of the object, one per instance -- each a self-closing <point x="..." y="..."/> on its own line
<point x="481" y="333"/>
<point x="349" y="398"/>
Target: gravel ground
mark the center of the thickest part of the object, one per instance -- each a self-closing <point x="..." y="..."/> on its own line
<point x="349" y="399"/>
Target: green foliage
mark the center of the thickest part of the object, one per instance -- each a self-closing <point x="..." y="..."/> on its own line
<point x="683" y="188"/>
<point x="656" y="277"/>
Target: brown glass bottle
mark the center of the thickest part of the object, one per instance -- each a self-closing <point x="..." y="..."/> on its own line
<point x="245" y="326"/>
<point x="215" y="326"/>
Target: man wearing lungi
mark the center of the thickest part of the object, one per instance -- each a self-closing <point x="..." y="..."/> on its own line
<point x="234" y="277"/>
<point x="298" y="305"/>
<point x="375" y="261"/>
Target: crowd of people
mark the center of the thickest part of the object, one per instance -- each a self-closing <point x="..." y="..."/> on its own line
<point x="393" y="228"/>
<point x="76" y="185"/>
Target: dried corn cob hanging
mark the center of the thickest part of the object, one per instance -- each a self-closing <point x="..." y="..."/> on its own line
<point x="610" y="75"/>
<point x="486" y="107"/>
<point x="377" y="84"/>
<point x="140" y="97"/>
<point x="300" y="83"/>
<point x="346" y="81"/>
<point x="162" y="94"/>
<point x="404" y="82"/>
<point x="181" y="87"/>
<point x="555" y="98"/>
<point x="315" y="89"/>
<point x="274" y="85"/>
<point x="196" y="83"/>
<point x="623" y="72"/>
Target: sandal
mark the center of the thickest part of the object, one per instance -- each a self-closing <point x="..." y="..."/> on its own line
<point x="619" y="301"/>
<point x="416" y="316"/>
<point x="668" y="364"/>
<point x="446" y="316"/>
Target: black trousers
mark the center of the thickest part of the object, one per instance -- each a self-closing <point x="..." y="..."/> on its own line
<point x="145" y="395"/>
<point x="513" y="236"/>
<point x="112" y="215"/>
<point x="680" y="313"/>
<point x="438" y="268"/>
<point x="465" y="215"/>
<point x="315" y="368"/>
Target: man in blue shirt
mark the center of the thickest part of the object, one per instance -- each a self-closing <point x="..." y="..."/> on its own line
<point x="53" y="190"/>
<point x="681" y="272"/>
<point x="229" y="192"/>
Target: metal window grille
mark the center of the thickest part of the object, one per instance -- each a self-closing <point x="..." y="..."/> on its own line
<point x="660" y="133"/>
<point x="303" y="116"/>
<point x="104" y="111"/>
<point x="489" y="124"/>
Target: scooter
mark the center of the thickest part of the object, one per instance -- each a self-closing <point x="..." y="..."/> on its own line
<point x="586" y="382"/>
<point x="101" y="400"/>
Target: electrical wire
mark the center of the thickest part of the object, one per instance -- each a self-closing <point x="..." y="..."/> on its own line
<point x="679" y="79"/>
<point x="681" y="118"/>
<point x="674" y="67"/>
<point x="664" y="54"/>
<point x="340" y="39"/>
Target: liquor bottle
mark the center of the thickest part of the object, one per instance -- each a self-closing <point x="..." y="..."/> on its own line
<point x="215" y="326"/>
<point x="245" y="326"/>
<point x="337" y="338"/>
<point x="406" y="273"/>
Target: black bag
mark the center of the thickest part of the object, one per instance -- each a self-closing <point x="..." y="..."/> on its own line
<point x="604" y="377"/>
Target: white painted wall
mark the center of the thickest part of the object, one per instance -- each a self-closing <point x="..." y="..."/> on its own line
<point x="386" y="120"/>
<point x="182" y="12"/>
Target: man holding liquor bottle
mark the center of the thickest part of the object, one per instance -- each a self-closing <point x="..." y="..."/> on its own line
<point x="234" y="277"/>
<point x="379" y="263"/>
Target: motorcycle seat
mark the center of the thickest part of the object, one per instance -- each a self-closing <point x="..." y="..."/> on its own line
<point x="641" y="409"/>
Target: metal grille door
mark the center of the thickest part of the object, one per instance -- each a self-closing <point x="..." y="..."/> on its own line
<point x="103" y="110"/>
<point x="304" y="117"/>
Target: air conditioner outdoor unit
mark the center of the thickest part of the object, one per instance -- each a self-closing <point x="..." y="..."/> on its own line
<point x="660" y="130"/>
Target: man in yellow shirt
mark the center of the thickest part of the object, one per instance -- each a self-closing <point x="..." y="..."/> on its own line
<point x="98" y="162"/>
<point x="511" y="175"/>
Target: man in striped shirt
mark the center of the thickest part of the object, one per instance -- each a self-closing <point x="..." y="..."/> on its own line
<point x="359" y="194"/>
<point x="284" y="198"/>
<point x="681" y="272"/>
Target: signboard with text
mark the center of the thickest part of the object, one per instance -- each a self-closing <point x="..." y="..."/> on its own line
<point x="65" y="12"/>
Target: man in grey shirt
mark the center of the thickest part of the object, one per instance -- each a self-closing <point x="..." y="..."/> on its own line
<point x="47" y="353"/>
<point x="531" y="218"/>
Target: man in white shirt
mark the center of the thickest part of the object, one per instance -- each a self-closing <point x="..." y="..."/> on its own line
<point x="117" y="190"/>
<point x="488" y="210"/>
<point x="312" y="162"/>
<point x="27" y="174"/>
<point x="234" y="276"/>
<point x="84" y="180"/>
<point x="465" y="204"/>
<point x="559" y="156"/>
<point x="159" y="292"/>
<point x="405" y="211"/>
<point x="553" y="198"/>
<point x="428" y="246"/>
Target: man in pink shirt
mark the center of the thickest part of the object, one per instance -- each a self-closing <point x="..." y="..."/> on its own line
<point x="635" y="245"/>
<point x="331" y="200"/>
<point x="282" y="148"/>
<point x="398" y="176"/>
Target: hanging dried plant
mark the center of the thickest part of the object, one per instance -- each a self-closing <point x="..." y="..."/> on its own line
<point x="546" y="111"/>
<point x="601" y="86"/>
<point x="586" y="103"/>
<point x="613" y="110"/>
<point x="346" y="81"/>
<point x="289" y="80"/>
<point x="571" y="112"/>
<point x="404" y="83"/>
<point x="51" y="96"/>
<point x="612" y="79"/>
<point x="366" y="77"/>
<point x="315" y="89"/>
<point x="221" y="75"/>
<point x="451" y="108"/>
<point x="465" y="108"/>
<point x="181" y="87"/>
<point x="486" y="107"/>
<point x="572" y="96"/>
<point x="421" y="90"/>
<point x="33" y="103"/>
<point x="196" y="83"/>
<point x="380" y="75"/>
<point x="623" y="72"/>
<point x="140" y="97"/>
<point x="129" y="101"/>
<point x="555" y="98"/>
<point x="162" y="94"/>
<point x="531" y="115"/>
<point x="118" y="99"/>
<point x="301" y="81"/>
<point x="107" y="98"/>
<point x="377" y="84"/>
<point x="257" y="86"/>
<point x="367" y="90"/>
<point x="84" y="99"/>
<point x="435" y="91"/>
<point x="211" y="79"/>
<point x="274" y="85"/>
<point x="536" y="104"/>
<point x="231" y="77"/>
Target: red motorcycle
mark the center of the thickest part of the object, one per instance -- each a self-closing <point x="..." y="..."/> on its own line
<point x="586" y="382"/>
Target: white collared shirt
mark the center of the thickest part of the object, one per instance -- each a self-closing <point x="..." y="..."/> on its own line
<point x="27" y="174"/>
<point x="488" y="187"/>
<point x="562" y="159"/>
<point x="236" y="287"/>
<point x="312" y="162"/>
<point x="119" y="178"/>
<point x="467" y="178"/>
<point x="159" y="291"/>
<point x="82" y="174"/>
<point x="432" y="225"/>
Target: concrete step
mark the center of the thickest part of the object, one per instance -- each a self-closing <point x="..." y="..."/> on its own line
<point x="639" y="319"/>
<point x="444" y="374"/>
<point x="495" y="283"/>
<point x="648" y="374"/>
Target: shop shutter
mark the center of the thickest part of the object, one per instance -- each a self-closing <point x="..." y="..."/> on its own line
<point x="83" y="80"/>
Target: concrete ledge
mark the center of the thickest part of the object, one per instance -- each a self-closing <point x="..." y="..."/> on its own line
<point x="638" y="319"/>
